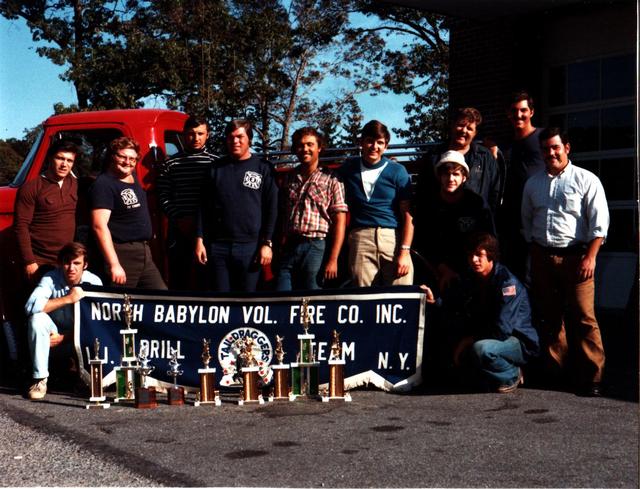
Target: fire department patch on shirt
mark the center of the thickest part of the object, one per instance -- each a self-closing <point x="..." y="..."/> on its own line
<point x="252" y="180"/>
<point x="129" y="198"/>
<point x="509" y="291"/>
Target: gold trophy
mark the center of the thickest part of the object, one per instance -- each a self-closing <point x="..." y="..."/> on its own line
<point x="281" y="390"/>
<point x="97" y="394"/>
<point x="208" y="393"/>
<point x="336" y="372"/>
<point x="175" y="393"/>
<point x="250" y="391"/>
<point x="304" y="372"/>
<point x="125" y="373"/>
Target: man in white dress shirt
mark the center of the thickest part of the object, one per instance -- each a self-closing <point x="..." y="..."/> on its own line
<point x="565" y="219"/>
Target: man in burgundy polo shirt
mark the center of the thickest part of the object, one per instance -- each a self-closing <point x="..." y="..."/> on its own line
<point x="45" y="212"/>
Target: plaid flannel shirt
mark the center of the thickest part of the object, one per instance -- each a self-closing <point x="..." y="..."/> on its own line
<point x="309" y="205"/>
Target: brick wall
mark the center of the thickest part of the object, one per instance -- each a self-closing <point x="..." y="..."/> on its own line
<point x="488" y="61"/>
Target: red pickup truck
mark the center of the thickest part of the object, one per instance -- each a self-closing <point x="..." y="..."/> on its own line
<point x="156" y="130"/>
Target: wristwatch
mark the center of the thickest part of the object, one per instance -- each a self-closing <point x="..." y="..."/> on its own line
<point x="267" y="242"/>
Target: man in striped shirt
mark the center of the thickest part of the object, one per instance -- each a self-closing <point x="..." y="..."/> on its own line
<point x="312" y="208"/>
<point x="179" y="185"/>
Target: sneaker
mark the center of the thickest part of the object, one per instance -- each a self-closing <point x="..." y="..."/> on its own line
<point x="38" y="390"/>
<point x="506" y="389"/>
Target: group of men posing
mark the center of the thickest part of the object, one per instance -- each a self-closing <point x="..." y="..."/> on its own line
<point x="229" y="214"/>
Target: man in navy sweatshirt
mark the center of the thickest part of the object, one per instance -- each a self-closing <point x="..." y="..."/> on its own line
<point x="238" y="214"/>
<point x="378" y="192"/>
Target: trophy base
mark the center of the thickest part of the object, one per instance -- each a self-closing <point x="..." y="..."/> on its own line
<point x="216" y="401"/>
<point x="97" y="405"/>
<point x="285" y="398"/>
<point x="260" y="400"/>
<point x="281" y="390"/>
<point x="146" y="398"/>
<point x="123" y="400"/>
<point x="305" y="397"/>
<point x="345" y="398"/>
<point x="175" y="396"/>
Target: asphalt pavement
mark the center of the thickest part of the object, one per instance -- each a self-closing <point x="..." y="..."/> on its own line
<point x="530" y="438"/>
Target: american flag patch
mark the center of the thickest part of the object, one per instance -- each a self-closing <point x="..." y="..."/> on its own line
<point x="510" y="290"/>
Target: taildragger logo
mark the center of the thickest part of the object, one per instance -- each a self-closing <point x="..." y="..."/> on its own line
<point x="230" y="348"/>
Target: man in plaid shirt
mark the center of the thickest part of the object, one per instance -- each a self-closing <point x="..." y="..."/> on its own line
<point x="313" y="211"/>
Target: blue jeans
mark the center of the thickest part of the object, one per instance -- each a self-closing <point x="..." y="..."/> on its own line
<point x="40" y="326"/>
<point x="233" y="266"/>
<point x="498" y="361"/>
<point x="300" y="265"/>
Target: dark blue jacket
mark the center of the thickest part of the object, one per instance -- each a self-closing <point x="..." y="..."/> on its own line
<point x="499" y="311"/>
<point x="239" y="201"/>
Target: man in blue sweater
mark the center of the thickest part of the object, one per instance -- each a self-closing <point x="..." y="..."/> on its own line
<point x="238" y="214"/>
<point x="378" y="193"/>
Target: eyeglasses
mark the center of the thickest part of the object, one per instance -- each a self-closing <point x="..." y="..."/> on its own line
<point x="131" y="159"/>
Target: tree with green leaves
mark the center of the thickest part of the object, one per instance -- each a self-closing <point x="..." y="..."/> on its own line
<point x="420" y="67"/>
<point x="280" y="63"/>
<point x="75" y="32"/>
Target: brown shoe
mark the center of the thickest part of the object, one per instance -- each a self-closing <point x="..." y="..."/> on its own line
<point x="505" y="389"/>
<point x="38" y="390"/>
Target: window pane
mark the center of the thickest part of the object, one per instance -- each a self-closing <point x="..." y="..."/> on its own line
<point x="172" y="143"/>
<point x="618" y="127"/>
<point x="583" y="130"/>
<point x="557" y="89"/>
<point x="617" y="176"/>
<point x="584" y="82"/>
<point x="592" y="165"/>
<point x="618" y="76"/>
<point x="558" y="120"/>
<point x="623" y="231"/>
<point x="93" y="149"/>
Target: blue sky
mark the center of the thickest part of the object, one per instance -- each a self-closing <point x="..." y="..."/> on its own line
<point x="30" y="86"/>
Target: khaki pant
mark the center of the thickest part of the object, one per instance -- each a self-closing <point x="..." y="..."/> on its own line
<point x="372" y="253"/>
<point x="565" y="314"/>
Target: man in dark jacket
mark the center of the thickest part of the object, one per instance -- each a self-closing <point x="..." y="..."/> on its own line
<point x="445" y="219"/>
<point x="484" y="176"/>
<point x="490" y="312"/>
<point x="238" y="214"/>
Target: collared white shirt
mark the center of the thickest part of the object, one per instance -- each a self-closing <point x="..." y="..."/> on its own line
<point x="566" y="209"/>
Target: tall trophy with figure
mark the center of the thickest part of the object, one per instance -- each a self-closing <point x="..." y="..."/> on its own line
<point x="208" y="393"/>
<point x="145" y="395"/>
<point x="304" y="372"/>
<point x="250" y="391"/>
<point x="175" y="393"/>
<point x="125" y="372"/>
<point x="281" y="390"/>
<point x="96" y="401"/>
<point x="336" y="372"/>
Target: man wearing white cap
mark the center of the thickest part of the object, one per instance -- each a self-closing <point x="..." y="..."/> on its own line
<point x="446" y="218"/>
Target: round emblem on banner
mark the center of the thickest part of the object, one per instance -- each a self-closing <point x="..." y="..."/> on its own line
<point x="230" y="347"/>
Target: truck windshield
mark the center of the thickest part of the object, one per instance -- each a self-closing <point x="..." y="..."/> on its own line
<point x="28" y="161"/>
